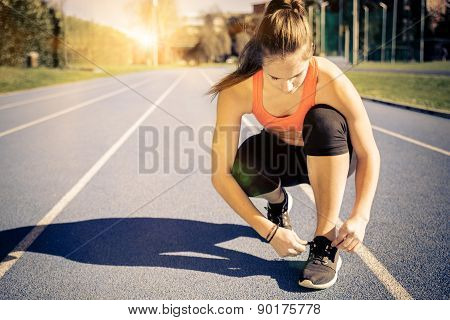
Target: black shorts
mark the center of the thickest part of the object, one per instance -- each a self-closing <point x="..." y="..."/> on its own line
<point x="264" y="160"/>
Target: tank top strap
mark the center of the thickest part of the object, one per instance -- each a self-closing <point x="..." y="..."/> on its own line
<point x="311" y="84"/>
<point x="257" y="93"/>
<point x="315" y="77"/>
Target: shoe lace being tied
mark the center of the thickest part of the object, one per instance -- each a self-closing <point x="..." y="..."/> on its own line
<point x="319" y="253"/>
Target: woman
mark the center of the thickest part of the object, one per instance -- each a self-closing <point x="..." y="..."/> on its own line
<point x="315" y="131"/>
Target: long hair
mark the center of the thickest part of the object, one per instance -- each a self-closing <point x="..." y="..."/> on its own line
<point x="283" y="30"/>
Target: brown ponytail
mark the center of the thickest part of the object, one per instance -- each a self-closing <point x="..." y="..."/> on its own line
<point x="283" y="30"/>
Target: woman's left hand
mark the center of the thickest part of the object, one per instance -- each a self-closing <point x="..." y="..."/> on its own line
<point x="351" y="234"/>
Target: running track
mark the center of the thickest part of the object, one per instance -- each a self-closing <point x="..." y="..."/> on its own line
<point x="78" y="220"/>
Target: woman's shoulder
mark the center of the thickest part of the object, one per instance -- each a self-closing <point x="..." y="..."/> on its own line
<point x="330" y="76"/>
<point x="333" y="85"/>
<point x="242" y="94"/>
<point x="326" y="68"/>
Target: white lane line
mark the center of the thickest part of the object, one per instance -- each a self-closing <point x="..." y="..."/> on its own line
<point x="377" y="268"/>
<point x="46" y="97"/>
<point x="405" y="138"/>
<point x="75" y="107"/>
<point x="23" y="245"/>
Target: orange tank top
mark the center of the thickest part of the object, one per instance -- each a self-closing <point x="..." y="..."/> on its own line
<point x="289" y="128"/>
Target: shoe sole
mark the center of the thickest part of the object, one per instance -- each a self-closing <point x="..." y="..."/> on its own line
<point x="309" y="284"/>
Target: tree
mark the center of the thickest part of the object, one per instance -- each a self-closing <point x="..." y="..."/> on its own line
<point x="241" y="40"/>
<point x="215" y="40"/>
<point x="25" y="26"/>
<point x="101" y="44"/>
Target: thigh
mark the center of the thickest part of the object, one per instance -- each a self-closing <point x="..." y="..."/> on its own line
<point x="326" y="133"/>
<point x="289" y="162"/>
<point x="263" y="161"/>
<point x="286" y="161"/>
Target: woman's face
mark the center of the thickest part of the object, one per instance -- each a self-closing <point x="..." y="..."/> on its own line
<point x="287" y="74"/>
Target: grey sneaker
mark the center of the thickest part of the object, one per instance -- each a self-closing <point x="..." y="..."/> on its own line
<point x="322" y="266"/>
<point x="280" y="216"/>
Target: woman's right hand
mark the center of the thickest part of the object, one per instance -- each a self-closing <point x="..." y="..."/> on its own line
<point x="287" y="244"/>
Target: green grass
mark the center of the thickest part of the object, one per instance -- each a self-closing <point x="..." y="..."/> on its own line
<point x="13" y="79"/>
<point x="423" y="91"/>
<point x="435" y="65"/>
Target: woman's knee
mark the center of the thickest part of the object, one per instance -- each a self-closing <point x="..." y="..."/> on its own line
<point x="325" y="132"/>
<point x="249" y="169"/>
<point x="253" y="180"/>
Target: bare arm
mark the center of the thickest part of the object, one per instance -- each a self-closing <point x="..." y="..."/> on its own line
<point x="224" y="147"/>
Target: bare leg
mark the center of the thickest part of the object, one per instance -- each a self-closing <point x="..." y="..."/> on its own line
<point x="328" y="176"/>
<point x="275" y="196"/>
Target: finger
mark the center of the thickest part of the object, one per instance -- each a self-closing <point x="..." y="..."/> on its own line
<point x="347" y="245"/>
<point x="299" y="247"/>
<point x="355" y="246"/>
<point x="292" y="252"/>
<point x="344" y="245"/>
<point x="304" y="242"/>
<point x="339" y="238"/>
